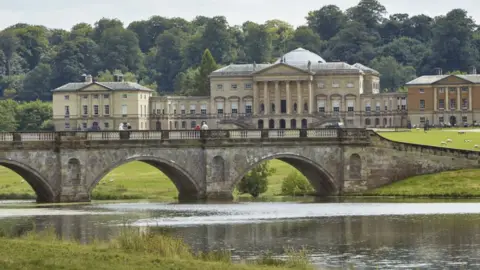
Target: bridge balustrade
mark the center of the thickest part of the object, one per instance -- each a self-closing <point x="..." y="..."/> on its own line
<point x="327" y="133"/>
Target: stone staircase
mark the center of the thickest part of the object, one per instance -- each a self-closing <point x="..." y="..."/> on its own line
<point x="241" y="121"/>
<point x="324" y="120"/>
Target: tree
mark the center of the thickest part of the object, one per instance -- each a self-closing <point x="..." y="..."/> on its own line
<point x="108" y="76"/>
<point x="258" y="43"/>
<point x="207" y="66"/>
<point x="32" y="115"/>
<point x="36" y="84"/>
<point x="295" y="184"/>
<point x="7" y="115"/>
<point x="327" y="21"/>
<point x="392" y="74"/>
<point x="256" y="181"/>
<point x="119" y="50"/>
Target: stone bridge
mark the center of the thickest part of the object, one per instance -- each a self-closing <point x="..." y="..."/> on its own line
<point x="66" y="166"/>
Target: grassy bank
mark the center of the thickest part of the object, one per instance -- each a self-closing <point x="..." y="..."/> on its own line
<point x="131" y="250"/>
<point x="134" y="180"/>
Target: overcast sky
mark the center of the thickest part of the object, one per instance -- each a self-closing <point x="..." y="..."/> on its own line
<point x="64" y="13"/>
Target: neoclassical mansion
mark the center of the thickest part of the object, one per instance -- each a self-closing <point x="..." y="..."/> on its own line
<point x="299" y="90"/>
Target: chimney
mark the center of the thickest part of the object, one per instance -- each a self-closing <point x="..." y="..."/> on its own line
<point x="474" y="70"/>
<point x="439" y="71"/>
<point x="88" y="78"/>
<point x="118" y="77"/>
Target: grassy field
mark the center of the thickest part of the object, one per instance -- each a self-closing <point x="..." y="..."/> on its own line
<point x="130" y="251"/>
<point x="134" y="180"/>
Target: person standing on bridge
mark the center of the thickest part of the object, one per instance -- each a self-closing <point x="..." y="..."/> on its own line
<point x="204" y="125"/>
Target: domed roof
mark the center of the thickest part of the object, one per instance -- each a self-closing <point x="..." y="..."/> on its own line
<point x="301" y="56"/>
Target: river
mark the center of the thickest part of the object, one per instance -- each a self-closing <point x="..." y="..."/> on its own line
<point x="338" y="235"/>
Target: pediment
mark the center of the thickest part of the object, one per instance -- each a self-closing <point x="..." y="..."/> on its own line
<point x="281" y="69"/>
<point x="452" y="79"/>
<point x="94" y="87"/>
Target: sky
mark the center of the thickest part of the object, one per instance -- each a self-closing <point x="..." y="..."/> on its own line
<point x="64" y="14"/>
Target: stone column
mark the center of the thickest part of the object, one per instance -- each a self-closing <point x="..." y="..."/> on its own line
<point x="289" y="99"/>
<point x="447" y="102"/>
<point x="299" y="98"/>
<point x="435" y="101"/>
<point x="459" y="101"/>
<point x="470" y="98"/>
<point x="266" y="98"/>
<point x="310" y="98"/>
<point x="277" y="98"/>
<point x="255" y="108"/>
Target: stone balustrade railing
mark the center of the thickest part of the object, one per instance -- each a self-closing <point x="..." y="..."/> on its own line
<point x="328" y="133"/>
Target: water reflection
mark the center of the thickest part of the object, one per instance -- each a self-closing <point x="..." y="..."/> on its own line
<point x="365" y="236"/>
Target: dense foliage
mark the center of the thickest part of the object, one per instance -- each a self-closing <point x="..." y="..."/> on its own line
<point x="166" y="53"/>
<point x="296" y="184"/>
<point x="256" y="180"/>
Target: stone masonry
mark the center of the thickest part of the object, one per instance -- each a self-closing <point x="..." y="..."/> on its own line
<point x="208" y="167"/>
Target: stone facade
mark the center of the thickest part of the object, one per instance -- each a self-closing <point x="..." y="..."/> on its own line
<point x="208" y="164"/>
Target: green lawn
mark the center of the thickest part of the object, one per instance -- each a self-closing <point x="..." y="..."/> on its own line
<point x="134" y="180"/>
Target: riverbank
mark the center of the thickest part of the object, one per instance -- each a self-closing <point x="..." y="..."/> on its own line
<point x="132" y="250"/>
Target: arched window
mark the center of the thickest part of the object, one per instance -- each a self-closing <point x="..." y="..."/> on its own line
<point x="271" y="123"/>
<point x="260" y="124"/>
<point x="262" y="108"/>
<point x="367" y="122"/>
<point x="305" y="107"/>
<point x="384" y="122"/>
<point x="377" y="121"/>
<point x="273" y="107"/>
<point x="355" y="166"/>
<point x="283" y="123"/>
<point x="293" y="123"/>
<point x="304" y="123"/>
<point x="295" y="107"/>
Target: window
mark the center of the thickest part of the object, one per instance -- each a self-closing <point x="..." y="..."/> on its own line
<point x="193" y="108"/>
<point x="84" y="125"/>
<point x="219" y="87"/>
<point x="350" y="85"/>
<point x="453" y="103"/>
<point x="220" y="108"/>
<point x="350" y="122"/>
<point x="464" y="119"/>
<point x="335" y="84"/>
<point x="377" y="106"/>
<point x="248" y="86"/>
<point x="336" y="105"/>
<point x="193" y="124"/>
<point x="124" y="109"/>
<point x="184" y="124"/>
<point x="421" y="91"/>
<point x="182" y="109"/>
<point x="321" y="106"/>
<point x="464" y="103"/>
<point x="95" y="96"/>
<point x="404" y="103"/>
<point x="321" y="84"/>
<point x="422" y="120"/>
<point x="441" y="104"/>
<point x="141" y="125"/>
<point x="234" y="86"/>
<point x="106" y="96"/>
<point x="203" y="109"/>
<point x="124" y="95"/>
<point x="441" y="90"/>
<point x="422" y="104"/>
<point x="368" y="122"/>
<point x="106" y="125"/>
<point x="85" y="109"/>
<point x="106" y="110"/>
<point x="175" y="124"/>
<point x="234" y="107"/>
<point x="464" y="89"/>
<point x="440" y="119"/>
<point x="248" y="107"/>
<point x="386" y="105"/>
<point x="350" y="107"/>
<point x="95" y="109"/>
<point x="452" y="89"/>
<point x="67" y="125"/>
<point x="367" y="107"/>
<point x="67" y="97"/>
<point x="67" y="110"/>
<point x="85" y="97"/>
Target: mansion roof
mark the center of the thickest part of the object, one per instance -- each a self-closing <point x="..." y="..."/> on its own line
<point x="114" y="86"/>
<point x="300" y="59"/>
<point x="431" y="79"/>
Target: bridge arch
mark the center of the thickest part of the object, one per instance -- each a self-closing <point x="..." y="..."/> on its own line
<point x="322" y="181"/>
<point x="44" y="191"/>
<point x="188" y="188"/>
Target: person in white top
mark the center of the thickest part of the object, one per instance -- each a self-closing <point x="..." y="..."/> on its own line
<point x="204" y="126"/>
<point x="120" y="127"/>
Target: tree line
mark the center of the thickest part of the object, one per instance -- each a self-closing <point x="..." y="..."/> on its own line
<point x="176" y="55"/>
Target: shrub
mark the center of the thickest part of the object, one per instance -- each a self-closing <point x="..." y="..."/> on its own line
<point x="256" y="180"/>
<point x="295" y="184"/>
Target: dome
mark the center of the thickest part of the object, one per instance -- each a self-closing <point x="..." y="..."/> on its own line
<point x="301" y="56"/>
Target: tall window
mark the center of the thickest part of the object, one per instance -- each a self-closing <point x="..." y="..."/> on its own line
<point x="377" y="106"/>
<point x="367" y="107"/>
<point x="422" y="104"/>
<point x="220" y="108"/>
<point x="248" y="107"/>
<point x="95" y="109"/>
<point x="193" y="124"/>
<point x="106" y="96"/>
<point x="124" y="109"/>
<point x="203" y="109"/>
<point x="85" y="109"/>
<point x="95" y="96"/>
<point x="321" y="106"/>
<point x="404" y="103"/>
<point x="453" y="104"/>
<point x="336" y="105"/>
<point x="464" y="103"/>
<point x="441" y="104"/>
<point x="234" y="107"/>
<point x="386" y="105"/>
<point x="350" y="107"/>
<point x="106" y="110"/>
<point x="182" y="109"/>
<point x="67" y="110"/>
<point x="193" y="108"/>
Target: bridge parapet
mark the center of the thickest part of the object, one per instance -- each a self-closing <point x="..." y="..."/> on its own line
<point x="173" y="135"/>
